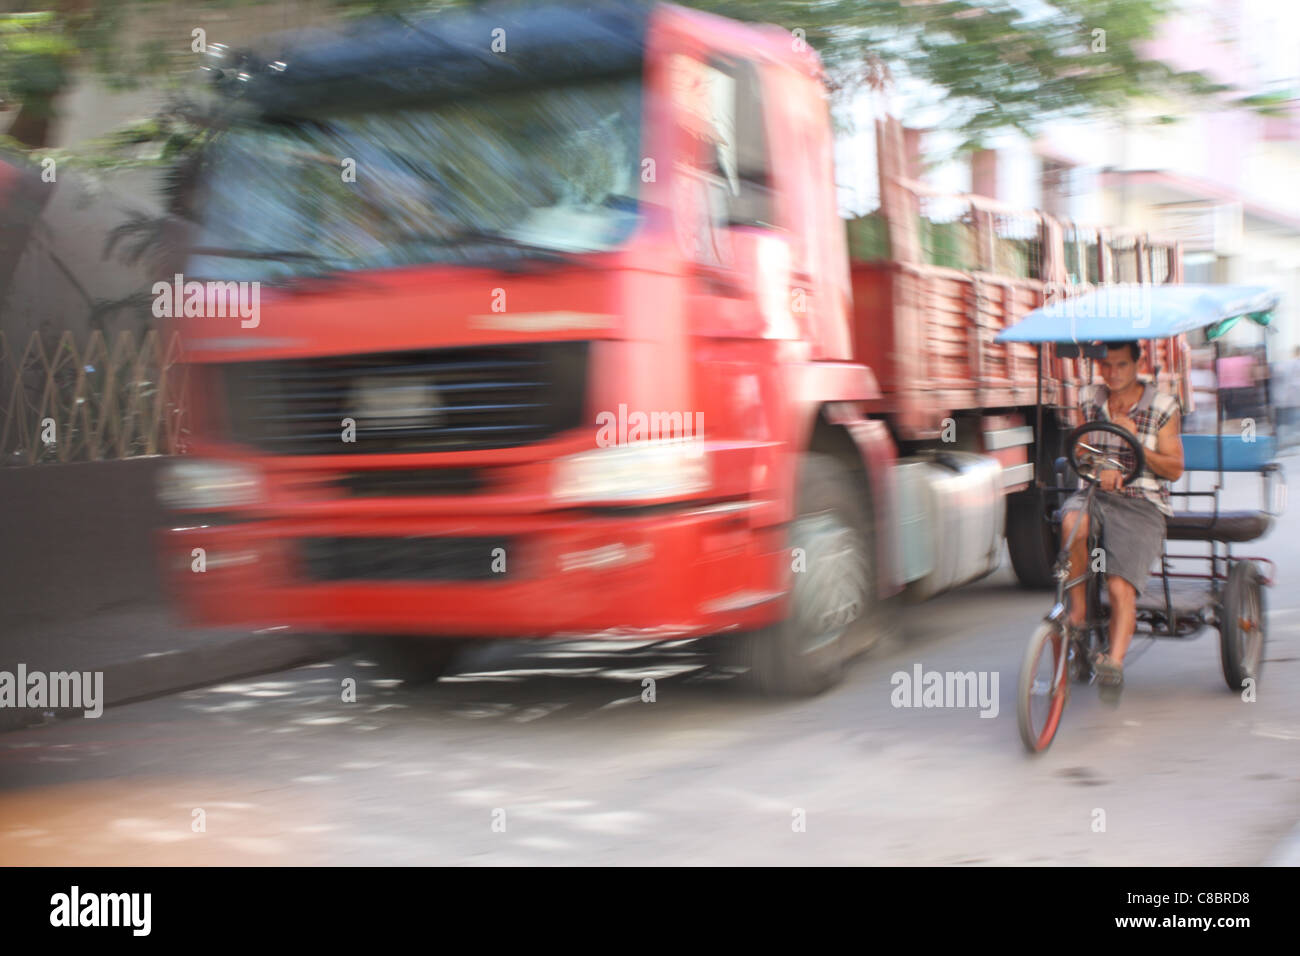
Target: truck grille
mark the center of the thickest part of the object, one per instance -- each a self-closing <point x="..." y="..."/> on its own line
<point x="435" y="400"/>
<point x="412" y="482"/>
<point x="402" y="559"/>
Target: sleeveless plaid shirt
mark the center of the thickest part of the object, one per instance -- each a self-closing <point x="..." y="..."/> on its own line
<point x="1152" y="412"/>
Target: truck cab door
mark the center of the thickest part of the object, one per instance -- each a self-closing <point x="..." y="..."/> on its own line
<point x="737" y="257"/>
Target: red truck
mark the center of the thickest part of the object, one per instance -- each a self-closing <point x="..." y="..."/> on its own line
<point x="547" y="327"/>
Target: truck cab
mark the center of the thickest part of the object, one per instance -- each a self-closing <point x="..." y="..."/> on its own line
<point x="552" y="339"/>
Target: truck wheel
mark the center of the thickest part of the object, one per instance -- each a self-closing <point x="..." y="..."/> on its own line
<point x="412" y="658"/>
<point x="832" y="590"/>
<point x="1031" y="540"/>
<point x="1241" y="626"/>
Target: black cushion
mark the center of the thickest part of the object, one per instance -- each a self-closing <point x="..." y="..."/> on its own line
<point x="1227" y="526"/>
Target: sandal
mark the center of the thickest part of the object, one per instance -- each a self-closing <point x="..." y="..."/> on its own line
<point x="1110" y="678"/>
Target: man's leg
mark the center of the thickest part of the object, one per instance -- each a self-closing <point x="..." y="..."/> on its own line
<point x="1123" y="616"/>
<point x="1078" y="562"/>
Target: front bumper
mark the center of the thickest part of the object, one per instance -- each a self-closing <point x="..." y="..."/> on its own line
<point x="686" y="572"/>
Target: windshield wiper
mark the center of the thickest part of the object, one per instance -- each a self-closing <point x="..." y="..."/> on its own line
<point x="281" y="254"/>
<point x="292" y="280"/>
<point x="303" y="281"/>
<point x="485" y="236"/>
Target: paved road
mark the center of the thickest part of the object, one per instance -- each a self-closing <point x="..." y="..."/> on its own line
<point x="553" y="757"/>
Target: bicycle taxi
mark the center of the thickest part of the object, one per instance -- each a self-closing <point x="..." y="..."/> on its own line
<point x="1226" y="590"/>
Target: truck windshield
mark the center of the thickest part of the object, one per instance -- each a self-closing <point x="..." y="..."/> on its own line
<point x="532" y="173"/>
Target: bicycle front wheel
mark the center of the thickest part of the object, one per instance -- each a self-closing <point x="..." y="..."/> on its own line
<point x="1043" y="688"/>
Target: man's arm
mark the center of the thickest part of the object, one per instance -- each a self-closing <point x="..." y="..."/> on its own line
<point x="1090" y="413"/>
<point x="1167" y="460"/>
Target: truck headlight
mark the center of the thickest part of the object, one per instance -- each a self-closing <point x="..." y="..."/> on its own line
<point x="637" y="472"/>
<point x="208" y="486"/>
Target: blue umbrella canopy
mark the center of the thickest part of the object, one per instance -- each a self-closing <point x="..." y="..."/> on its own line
<point x="1121" y="313"/>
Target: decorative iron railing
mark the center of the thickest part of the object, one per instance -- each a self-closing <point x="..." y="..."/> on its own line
<point x="71" y="397"/>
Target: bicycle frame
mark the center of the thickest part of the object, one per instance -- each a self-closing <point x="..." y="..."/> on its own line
<point x="1061" y="572"/>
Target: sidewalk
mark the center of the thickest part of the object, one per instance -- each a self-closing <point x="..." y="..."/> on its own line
<point x="144" y="651"/>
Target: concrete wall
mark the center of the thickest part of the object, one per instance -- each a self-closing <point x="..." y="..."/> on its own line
<point x="77" y="538"/>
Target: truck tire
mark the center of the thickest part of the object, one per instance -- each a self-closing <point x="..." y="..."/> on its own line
<point x="833" y="592"/>
<point x="414" y="659"/>
<point x="1031" y="540"/>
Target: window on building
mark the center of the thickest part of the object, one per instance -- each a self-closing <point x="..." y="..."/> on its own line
<point x="1058" y="188"/>
<point x="1200" y="268"/>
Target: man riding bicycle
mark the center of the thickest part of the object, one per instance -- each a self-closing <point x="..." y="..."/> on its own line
<point x="1131" y="517"/>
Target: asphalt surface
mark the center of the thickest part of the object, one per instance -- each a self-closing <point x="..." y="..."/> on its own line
<point x="548" y="754"/>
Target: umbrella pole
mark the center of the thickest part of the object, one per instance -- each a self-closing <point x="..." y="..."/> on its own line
<point x="1038" y="414"/>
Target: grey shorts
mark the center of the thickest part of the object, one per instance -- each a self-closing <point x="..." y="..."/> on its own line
<point x="1132" y="533"/>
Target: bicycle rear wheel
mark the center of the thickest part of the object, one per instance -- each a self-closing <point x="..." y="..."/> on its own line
<point x="1242" y="625"/>
<point x="1040" y="696"/>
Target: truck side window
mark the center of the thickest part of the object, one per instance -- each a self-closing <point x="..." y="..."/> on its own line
<point x="741" y="157"/>
<point x="750" y="202"/>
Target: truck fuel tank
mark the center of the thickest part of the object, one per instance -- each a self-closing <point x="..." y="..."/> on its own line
<point x="950" y="520"/>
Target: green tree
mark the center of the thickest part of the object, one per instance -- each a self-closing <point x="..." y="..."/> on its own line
<point x="34" y="55"/>
<point x="997" y="64"/>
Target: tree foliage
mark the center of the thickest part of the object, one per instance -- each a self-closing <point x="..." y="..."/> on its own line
<point x="995" y="64"/>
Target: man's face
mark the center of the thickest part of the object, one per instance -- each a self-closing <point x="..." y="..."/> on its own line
<point x="1118" y="370"/>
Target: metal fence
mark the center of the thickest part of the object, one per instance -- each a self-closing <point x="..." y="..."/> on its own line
<point x="67" y="398"/>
